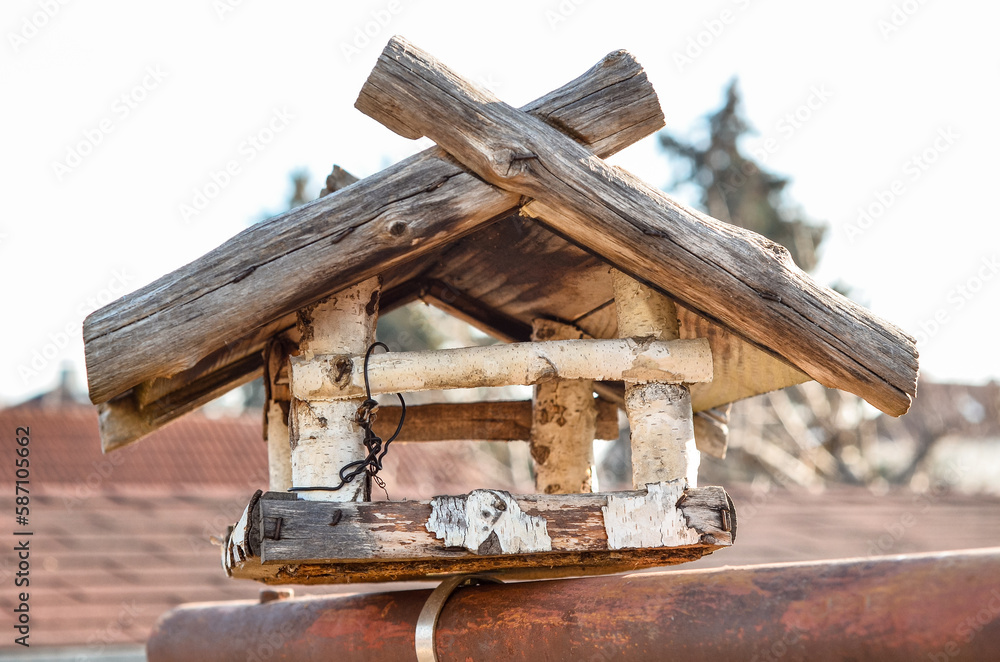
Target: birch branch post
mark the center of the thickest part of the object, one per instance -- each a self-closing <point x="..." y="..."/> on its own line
<point x="564" y="417"/>
<point x="659" y="413"/>
<point x="324" y="434"/>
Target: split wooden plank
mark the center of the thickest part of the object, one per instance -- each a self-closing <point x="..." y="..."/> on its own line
<point x="563" y="420"/>
<point x="517" y="270"/>
<point x="277" y="409"/>
<point x="503" y="420"/>
<point x="122" y="421"/>
<point x="660" y="417"/>
<point x="446" y="534"/>
<point x="340" y="376"/>
<point x="741" y="370"/>
<point x="277" y="267"/>
<point x="711" y="431"/>
<point x="725" y="273"/>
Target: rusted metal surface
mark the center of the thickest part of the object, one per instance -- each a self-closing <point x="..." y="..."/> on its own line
<point x="942" y="606"/>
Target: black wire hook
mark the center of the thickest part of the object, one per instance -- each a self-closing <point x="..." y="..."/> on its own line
<point x="377" y="449"/>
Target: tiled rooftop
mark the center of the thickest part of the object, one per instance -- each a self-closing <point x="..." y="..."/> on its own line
<point x="118" y="540"/>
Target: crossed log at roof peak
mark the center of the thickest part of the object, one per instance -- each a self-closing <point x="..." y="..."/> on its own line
<point x="652" y="237"/>
<point x="545" y="159"/>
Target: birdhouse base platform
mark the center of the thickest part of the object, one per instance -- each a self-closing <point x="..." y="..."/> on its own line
<point x="282" y="539"/>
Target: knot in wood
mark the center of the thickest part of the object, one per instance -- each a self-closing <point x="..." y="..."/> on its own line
<point x="397" y="228"/>
<point x="340" y="372"/>
<point x="508" y="163"/>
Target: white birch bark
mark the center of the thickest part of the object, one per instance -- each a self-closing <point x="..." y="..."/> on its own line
<point x="659" y="414"/>
<point x="638" y="360"/>
<point x="324" y="434"/>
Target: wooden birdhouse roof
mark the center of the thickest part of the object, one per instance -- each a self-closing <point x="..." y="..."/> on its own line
<point x="489" y="239"/>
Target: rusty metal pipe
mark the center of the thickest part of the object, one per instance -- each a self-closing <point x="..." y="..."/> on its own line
<point x="943" y="606"/>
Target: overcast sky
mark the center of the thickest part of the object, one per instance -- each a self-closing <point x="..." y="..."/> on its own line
<point x="119" y="115"/>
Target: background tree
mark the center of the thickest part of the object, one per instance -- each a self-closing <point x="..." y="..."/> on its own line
<point x="806" y="435"/>
<point x="736" y="189"/>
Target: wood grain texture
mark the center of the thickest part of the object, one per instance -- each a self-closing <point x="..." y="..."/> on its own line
<point x="501" y="278"/>
<point x="283" y="264"/>
<point x="550" y="565"/>
<point x="508" y="420"/>
<point x="725" y="273"/>
<point x="122" y="421"/>
<point x="290" y="533"/>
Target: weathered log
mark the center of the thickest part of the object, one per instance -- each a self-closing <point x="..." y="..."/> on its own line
<point x="281" y="539"/>
<point x="725" y="273"/>
<point x="122" y="420"/>
<point x="659" y="414"/>
<point x="342" y="376"/>
<point x="563" y="420"/>
<point x="938" y="606"/>
<point x="279" y="266"/>
<point x="504" y="420"/>
<point x="324" y="434"/>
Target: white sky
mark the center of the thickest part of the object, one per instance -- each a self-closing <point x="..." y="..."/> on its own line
<point x="113" y="222"/>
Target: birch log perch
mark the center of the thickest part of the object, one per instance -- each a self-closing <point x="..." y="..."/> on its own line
<point x="288" y="262"/>
<point x="722" y="272"/>
<point x="339" y="376"/>
<point x="564" y="416"/>
<point x="324" y="434"/>
<point x="659" y="414"/>
<point x="283" y="540"/>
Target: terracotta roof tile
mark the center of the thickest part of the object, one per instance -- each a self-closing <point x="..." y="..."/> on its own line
<point x="109" y="560"/>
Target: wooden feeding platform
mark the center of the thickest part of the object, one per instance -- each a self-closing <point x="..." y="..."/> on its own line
<point x="608" y="293"/>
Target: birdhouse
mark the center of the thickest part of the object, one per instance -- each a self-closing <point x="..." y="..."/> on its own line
<point x="609" y="294"/>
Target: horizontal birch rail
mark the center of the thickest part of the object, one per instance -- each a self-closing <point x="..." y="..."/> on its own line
<point x="330" y="377"/>
<point x="725" y="273"/>
<point x="288" y="262"/>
